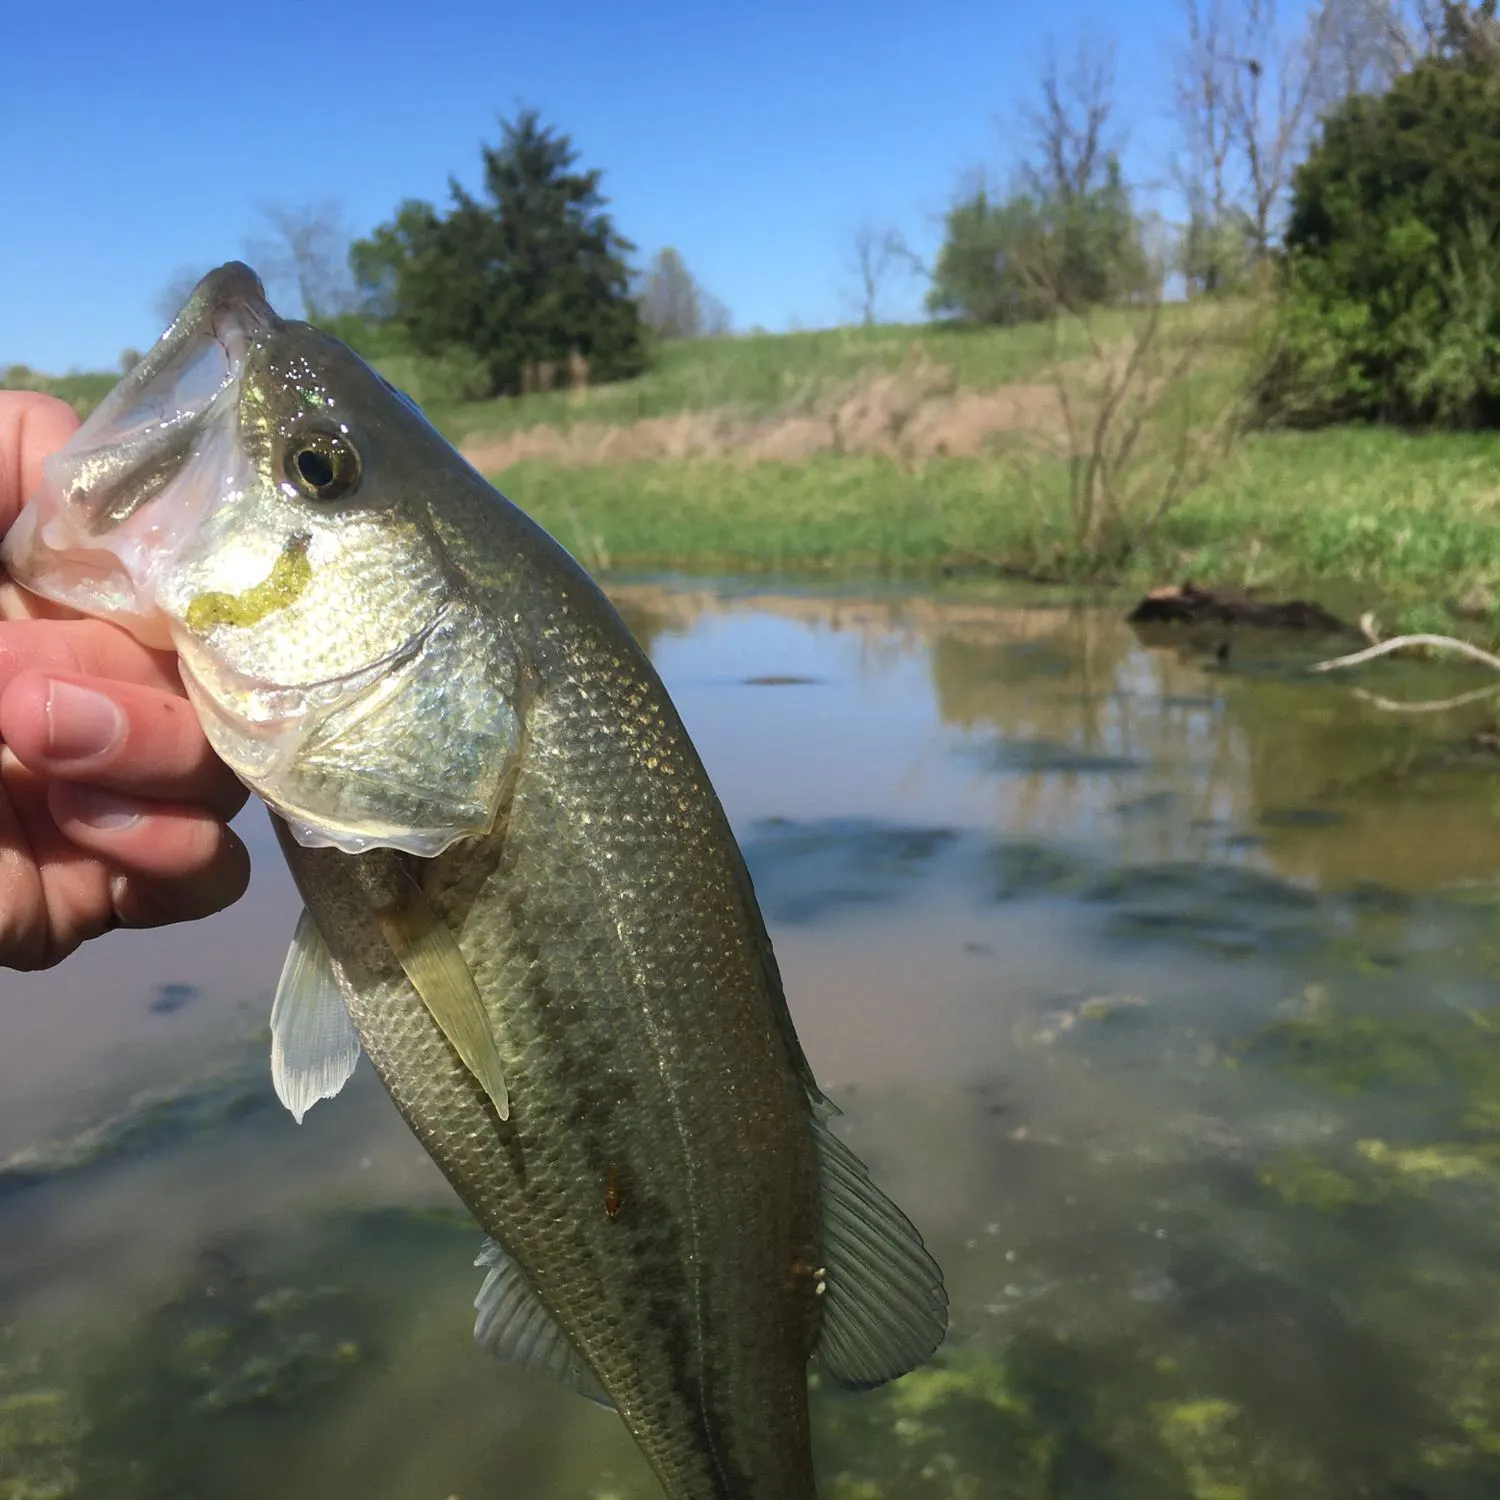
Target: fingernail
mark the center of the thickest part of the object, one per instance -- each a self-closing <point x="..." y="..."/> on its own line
<point x="104" y="810"/>
<point x="80" y="722"/>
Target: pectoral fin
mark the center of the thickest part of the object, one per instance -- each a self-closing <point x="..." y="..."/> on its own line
<point x="314" y="1047"/>
<point x="884" y="1306"/>
<point x="426" y="949"/>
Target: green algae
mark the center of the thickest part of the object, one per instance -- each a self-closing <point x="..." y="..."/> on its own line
<point x="41" y="1431"/>
<point x="155" y="1118"/>
<point x="1301" y="1177"/>
<point x="1201" y="1434"/>
<point x="1352" y="1054"/>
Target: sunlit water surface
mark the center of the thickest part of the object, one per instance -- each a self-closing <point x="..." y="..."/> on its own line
<point x="1160" y="991"/>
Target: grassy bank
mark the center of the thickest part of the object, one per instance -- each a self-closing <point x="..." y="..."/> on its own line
<point x="834" y="451"/>
<point x="1368" y="517"/>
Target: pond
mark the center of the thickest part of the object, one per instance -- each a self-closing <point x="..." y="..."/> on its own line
<point x="1158" y="985"/>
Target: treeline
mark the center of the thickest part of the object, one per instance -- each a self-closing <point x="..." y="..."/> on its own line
<point x="1346" y="165"/>
<point x="524" y="286"/>
<point x="1341" y="164"/>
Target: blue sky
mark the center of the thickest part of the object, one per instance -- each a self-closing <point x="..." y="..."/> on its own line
<point x="140" y="139"/>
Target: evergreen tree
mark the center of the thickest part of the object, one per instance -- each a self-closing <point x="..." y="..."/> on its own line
<point x="525" y="276"/>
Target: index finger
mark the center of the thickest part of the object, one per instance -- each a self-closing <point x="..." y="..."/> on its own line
<point x="32" y="426"/>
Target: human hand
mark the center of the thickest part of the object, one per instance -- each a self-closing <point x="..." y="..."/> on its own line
<point x="113" y="808"/>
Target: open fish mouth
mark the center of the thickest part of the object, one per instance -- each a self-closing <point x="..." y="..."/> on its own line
<point x="144" y="429"/>
<point x="94" y="504"/>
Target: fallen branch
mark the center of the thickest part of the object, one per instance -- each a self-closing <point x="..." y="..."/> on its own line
<point x="1399" y="642"/>
<point x="1427" y="705"/>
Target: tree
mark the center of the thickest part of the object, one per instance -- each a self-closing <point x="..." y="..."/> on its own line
<point x="876" y="254"/>
<point x="1068" y="237"/>
<point x="305" y="254"/>
<point x="532" y="276"/>
<point x="718" y="321"/>
<point x="673" y="304"/>
<point x="1392" y="307"/>
<point x="1250" y="87"/>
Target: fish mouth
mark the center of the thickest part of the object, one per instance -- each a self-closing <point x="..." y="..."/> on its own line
<point x="144" y="430"/>
<point x="86" y="537"/>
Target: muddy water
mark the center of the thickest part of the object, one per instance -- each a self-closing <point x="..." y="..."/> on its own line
<point x="1160" y="989"/>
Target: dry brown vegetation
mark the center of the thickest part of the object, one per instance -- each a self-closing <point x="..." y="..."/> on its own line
<point x="908" y="415"/>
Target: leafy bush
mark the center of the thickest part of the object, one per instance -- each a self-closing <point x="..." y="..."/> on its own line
<point x="1034" y="254"/>
<point x="433" y="380"/>
<point x="1392" y="273"/>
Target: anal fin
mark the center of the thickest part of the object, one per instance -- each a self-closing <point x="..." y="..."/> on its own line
<point x="884" y="1307"/>
<point x="515" y="1327"/>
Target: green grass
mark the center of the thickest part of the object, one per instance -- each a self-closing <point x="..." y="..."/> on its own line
<point x="84" y="391"/>
<point x="1358" y="517"/>
<point x="764" y="373"/>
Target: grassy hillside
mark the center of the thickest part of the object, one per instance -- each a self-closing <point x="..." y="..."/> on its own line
<point x="84" y="391"/>
<point x="914" y="449"/>
<point x="761" y="374"/>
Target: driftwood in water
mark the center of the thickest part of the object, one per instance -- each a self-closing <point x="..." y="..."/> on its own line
<point x="1188" y="604"/>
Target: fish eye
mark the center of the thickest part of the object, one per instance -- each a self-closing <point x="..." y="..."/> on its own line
<point x="323" y="465"/>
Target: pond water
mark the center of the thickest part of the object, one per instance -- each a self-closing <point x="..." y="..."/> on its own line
<point x="1159" y="989"/>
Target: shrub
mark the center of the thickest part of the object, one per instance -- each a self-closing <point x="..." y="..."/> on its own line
<point x="1392" y="272"/>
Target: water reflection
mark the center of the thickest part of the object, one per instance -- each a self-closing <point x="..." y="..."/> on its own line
<point x="1158" y="987"/>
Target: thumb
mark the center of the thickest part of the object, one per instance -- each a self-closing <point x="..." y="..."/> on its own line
<point x="32" y="426"/>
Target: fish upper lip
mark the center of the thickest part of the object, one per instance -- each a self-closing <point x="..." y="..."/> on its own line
<point x="238" y="310"/>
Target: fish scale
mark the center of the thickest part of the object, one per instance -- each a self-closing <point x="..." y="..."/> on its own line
<point x="602" y="963"/>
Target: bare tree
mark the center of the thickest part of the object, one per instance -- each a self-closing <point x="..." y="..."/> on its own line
<point x="674" y="306"/>
<point x="1251" y="85"/>
<point x="1364" y="46"/>
<point x="671" y="301"/>
<point x="877" y="254"/>
<point x="1420" y="28"/>
<point x="1071" y="144"/>
<point x="715" y="315"/>
<point x="1204" y="83"/>
<point x="1077" y="240"/>
<point x="1473" y="29"/>
<point x="305" y="253"/>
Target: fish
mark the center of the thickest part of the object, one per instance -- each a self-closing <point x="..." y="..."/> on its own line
<point x="523" y="900"/>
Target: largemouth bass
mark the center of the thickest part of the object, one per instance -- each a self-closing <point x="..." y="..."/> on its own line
<point x="524" y="902"/>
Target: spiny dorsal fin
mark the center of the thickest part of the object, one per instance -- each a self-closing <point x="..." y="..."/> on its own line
<point x="884" y="1307"/>
<point x="515" y="1327"/>
<point x="314" y="1047"/>
<point x="426" y="949"/>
